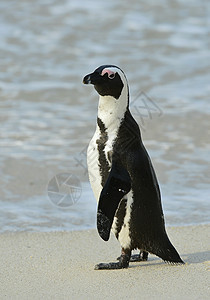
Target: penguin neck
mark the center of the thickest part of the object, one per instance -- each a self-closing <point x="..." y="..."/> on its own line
<point x="111" y="111"/>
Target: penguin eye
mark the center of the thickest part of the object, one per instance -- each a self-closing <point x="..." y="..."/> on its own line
<point x="111" y="76"/>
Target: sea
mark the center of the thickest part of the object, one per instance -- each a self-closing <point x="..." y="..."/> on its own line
<point x="47" y="115"/>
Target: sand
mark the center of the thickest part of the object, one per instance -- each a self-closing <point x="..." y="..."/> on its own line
<point x="60" y="265"/>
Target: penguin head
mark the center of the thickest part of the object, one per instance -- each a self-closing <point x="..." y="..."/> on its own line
<point x="108" y="80"/>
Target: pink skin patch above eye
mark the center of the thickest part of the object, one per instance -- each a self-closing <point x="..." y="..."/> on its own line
<point x="107" y="71"/>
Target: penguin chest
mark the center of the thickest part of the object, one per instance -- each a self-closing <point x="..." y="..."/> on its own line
<point x="93" y="167"/>
<point x="99" y="158"/>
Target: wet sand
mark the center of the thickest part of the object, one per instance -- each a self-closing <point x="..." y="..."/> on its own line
<point x="61" y="266"/>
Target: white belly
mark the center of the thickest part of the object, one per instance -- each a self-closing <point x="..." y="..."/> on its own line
<point x="93" y="167"/>
<point x="93" y="160"/>
<point x="124" y="234"/>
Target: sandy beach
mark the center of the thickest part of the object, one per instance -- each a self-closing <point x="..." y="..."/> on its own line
<point x="60" y="265"/>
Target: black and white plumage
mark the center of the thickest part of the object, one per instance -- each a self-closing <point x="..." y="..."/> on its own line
<point x="122" y="176"/>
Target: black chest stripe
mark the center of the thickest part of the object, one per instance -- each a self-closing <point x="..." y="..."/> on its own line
<point x="101" y="143"/>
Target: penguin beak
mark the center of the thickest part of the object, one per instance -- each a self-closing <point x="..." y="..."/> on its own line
<point x="87" y="79"/>
<point x="92" y="78"/>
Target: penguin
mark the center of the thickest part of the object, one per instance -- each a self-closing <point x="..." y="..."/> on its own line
<point x="122" y="177"/>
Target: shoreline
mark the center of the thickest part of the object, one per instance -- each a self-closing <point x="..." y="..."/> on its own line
<point x="60" y="265"/>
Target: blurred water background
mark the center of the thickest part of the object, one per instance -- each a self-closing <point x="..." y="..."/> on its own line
<point x="47" y="116"/>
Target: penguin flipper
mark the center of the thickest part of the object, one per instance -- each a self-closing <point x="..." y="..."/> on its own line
<point x="116" y="187"/>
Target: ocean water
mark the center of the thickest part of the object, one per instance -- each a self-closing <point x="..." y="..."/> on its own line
<point x="47" y="116"/>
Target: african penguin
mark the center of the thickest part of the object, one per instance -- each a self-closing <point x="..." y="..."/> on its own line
<point x="122" y="176"/>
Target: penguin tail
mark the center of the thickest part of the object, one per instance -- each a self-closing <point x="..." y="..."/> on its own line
<point x="177" y="261"/>
<point x="170" y="255"/>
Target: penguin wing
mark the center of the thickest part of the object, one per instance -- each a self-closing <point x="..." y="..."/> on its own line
<point x="116" y="187"/>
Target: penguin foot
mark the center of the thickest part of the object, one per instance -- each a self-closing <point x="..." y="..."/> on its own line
<point x="122" y="264"/>
<point x="109" y="266"/>
<point x="142" y="256"/>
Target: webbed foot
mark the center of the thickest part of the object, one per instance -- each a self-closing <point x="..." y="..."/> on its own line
<point x="122" y="264"/>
